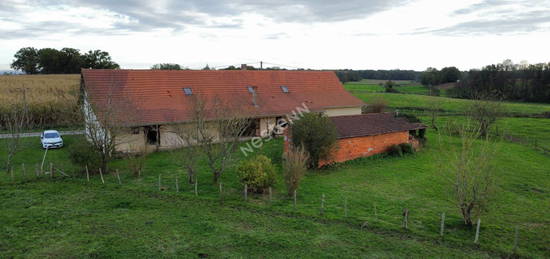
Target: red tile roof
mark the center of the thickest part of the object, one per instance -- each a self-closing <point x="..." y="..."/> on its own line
<point x="372" y="124"/>
<point x="157" y="96"/>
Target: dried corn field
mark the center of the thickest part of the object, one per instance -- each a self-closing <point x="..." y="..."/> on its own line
<point x="52" y="100"/>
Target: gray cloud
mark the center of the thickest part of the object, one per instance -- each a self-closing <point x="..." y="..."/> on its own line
<point x="498" y="17"/>
<point x="179" y="14"/>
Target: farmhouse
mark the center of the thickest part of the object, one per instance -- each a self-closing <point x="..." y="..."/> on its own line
<point x="149" y="103"/>
<point x="369" y="134"/>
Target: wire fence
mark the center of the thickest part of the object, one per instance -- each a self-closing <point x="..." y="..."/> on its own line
<point x="366" y="215"/>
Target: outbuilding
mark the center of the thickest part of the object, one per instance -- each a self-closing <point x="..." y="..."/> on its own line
<point x="370" y="134"/>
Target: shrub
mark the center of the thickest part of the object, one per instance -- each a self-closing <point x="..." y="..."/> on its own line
<point x="407" y="148"/>
<point x="257" y="173"/>
<point x="82" y="154"/>
<point x="377" y="105"/>
<point x="294" y="167"/>
<point x="395" y="150"/>
<point x="317" y="134"/>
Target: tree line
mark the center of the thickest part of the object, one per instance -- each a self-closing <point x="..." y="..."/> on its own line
<point x="65" y="61"/>
<point x="348" y="75"/>
<point x="507" y="81"/>
<point x="432" y="76"/>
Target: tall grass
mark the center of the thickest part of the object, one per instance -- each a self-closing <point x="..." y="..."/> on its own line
<point x="52" y="99"/>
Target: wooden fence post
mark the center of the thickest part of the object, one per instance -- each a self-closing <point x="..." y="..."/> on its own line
<point x="246" y="192"/>
<point x="87" y="174"/>
<point x="270" y="194"/>
<point x="346" y="207"/>
<point x="221" y="193"/>
<point x="160" y="188"/>
<point x="196" y="187"/>
<point x="118" y="177"/>
<point x="101" y="174"/>
<point x="322" y="204"/>
<point x="406" y="218"/>
<point x="294" y="199"/>
<point x="442" y="228"/>
<point x="476" y="240"/>
<point x="177" y="186"/>
<point x="516" y="240"/>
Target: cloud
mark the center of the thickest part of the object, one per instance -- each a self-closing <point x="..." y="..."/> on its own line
<point x="127" y="16"/>
<point x="497" y="17"/>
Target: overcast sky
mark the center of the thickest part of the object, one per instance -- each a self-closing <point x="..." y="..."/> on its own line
<point x="357" y="34"/>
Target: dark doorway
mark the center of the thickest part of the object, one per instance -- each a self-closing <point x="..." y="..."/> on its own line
<point x="152" y="135"/>
<point x="252" y="128"/>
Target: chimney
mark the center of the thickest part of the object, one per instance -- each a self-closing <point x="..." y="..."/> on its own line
<point x="243" y="66"/>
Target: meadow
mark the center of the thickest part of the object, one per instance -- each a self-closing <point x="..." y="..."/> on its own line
<point x="374" y="190"/>
<point x="362" y="215"/>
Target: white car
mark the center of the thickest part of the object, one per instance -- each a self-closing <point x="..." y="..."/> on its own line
<point x="51" y="139"/>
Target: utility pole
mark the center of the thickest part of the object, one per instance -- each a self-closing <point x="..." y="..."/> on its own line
<point x="261" y="65"/>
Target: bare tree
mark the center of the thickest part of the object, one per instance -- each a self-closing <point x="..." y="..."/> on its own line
<point x="136" y="158"/>
<point x="434" y="106"/>
<point x="485" y="113"/>
<point x="471" y="169"/>
<point x="17" y="120"/>
<point x="220" y="127"/>
<point x="105" y="120"/>
<point x="294" y="167"/>
<point x="191" y="151"/>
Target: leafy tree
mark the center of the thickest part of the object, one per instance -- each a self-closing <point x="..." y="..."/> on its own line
<point x="317" y="134"/>
<point x="27" y="60"/>
<point x="70" y="61"/>
<point x="98" y="59"/>
<point x="166" y="66"/>
<point x="64" y="61"/>
<point x="49" y="61"/>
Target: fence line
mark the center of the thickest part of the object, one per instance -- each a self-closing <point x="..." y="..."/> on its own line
<point x="323" y="203"/>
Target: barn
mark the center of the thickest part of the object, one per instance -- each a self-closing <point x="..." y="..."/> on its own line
<point x="148" y="104"/>
<point x="369" y="134"/>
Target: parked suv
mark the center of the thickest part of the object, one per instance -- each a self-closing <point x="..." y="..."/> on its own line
<point x="51" y="139"/>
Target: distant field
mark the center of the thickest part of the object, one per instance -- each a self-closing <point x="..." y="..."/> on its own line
<point x="378" y="81"/>
<point x="408" y="101"/>
<point x="52" y="99"/>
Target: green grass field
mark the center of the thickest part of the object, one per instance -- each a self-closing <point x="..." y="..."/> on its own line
<point x="413" y="101"/>
<point x="166" y="222"/>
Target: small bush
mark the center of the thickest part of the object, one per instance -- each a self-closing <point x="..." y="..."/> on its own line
<point x="395" y="150"/>
<point x="294" y="167"/>
<point x="258" y="173"/>
<point x="407" y="148"/>
<point x="377" y="105"/>
<point x="82" y="154"/>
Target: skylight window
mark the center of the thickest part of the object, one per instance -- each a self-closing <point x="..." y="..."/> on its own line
<point x="284" y="88"/>
<point x="188" y="91"/>
<point x="251" y="89"/>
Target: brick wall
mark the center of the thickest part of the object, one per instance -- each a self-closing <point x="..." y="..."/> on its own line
<point x="352" y="148"/>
